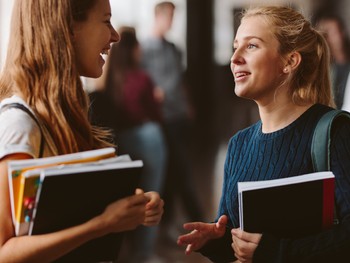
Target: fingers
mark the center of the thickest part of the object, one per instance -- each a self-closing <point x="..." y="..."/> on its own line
<point x="154" y="200"/>
<point x="187" y="238"/>
<point x="155" y="211"/>
<point x="190" y="241"/>
<point x="222" y="220"/>
<point x="241" y="251"/>
<point x="244" y="244"/>
<point x="138" y="191"/>
<point x="195" y="225"/>
<point x="221" y="223"/>
<point x="137" y="199"/>
<point x="248" y="237"/>
<point x="153" y="217"/>
<point x="189" y="249"/>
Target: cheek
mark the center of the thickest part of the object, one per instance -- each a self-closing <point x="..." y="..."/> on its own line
<point x="232" y="68"/>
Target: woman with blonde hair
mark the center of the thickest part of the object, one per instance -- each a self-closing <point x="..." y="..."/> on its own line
<point x="52" y="44"/>
<point x="281" y="63"/>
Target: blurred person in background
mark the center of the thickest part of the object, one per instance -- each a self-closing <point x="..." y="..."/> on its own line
<point x="336" y="35"/>
<point x="128" y="106"/>
<point x="162" y="60"/>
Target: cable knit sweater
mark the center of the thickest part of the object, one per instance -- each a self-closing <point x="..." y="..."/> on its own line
<point x="253" y="155"/>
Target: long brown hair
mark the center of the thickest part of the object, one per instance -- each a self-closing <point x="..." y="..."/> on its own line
<point x="41" y="67"/>
<point x="310" y="83"/>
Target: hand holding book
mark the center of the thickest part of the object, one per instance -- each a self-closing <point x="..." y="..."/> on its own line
<point x="117" y="216"/>
<point x="244" y="244"/>
<point x="288" y="207"/>
<point x="92" y="187"/>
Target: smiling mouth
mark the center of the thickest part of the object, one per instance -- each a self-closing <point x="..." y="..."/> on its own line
<point x="105" y="52"/>
<point x="241" y="74"/>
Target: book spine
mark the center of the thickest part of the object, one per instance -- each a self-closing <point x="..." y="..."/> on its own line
<point x="328" y="203"/>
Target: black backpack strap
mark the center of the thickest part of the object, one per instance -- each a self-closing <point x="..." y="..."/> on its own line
<point x="25" y="109"/>
<point x="321" y="143"/>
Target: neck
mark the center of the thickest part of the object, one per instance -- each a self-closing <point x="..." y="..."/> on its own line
<point x="157" y="33"/>
<point x="278" y="116"/>
<point x="339" y="56"/>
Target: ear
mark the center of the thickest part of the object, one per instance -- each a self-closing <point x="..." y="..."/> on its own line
<point x="293" y="61"/>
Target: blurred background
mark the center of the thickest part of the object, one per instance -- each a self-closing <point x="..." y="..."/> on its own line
<point x="203" y="30"/>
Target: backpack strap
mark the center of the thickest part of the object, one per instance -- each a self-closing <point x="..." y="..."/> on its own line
<point x="25" y="109"/>
<point x="321" y="143"/>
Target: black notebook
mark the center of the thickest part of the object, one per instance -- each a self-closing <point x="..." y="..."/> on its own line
<point x="289" y="207"/>
<point x="74" y="194"/>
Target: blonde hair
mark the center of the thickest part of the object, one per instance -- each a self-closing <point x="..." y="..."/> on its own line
<point x="40" y="66"/>
<point x="310" y="83"/>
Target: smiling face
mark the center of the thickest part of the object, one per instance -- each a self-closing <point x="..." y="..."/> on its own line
<point x="256" y="63"/>
<point x="92" y="38"/>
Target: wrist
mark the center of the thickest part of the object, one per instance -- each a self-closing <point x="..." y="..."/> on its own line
<point x="98" y="226"/>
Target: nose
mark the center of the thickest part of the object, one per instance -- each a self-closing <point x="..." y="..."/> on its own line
<point x="115" y="37"/>
<point x="237" y="57"/>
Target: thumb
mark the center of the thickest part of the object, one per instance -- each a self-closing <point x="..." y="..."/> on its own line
<point x="139" y="191"/>
<point x="222" y="221"/>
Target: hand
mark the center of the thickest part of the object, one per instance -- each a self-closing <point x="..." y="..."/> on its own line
<point x="125" y="214"/>
<point x="154" y="208"/>
<point x="201" y="234"/>
<point x="244" y="244"/>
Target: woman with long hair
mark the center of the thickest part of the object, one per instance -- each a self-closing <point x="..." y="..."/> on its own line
<point x="52" y="44"/>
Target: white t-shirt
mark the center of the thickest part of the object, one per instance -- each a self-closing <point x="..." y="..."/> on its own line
<point x="19" y="133"/>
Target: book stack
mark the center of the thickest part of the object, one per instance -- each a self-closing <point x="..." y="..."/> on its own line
<point x="55" y="193"/>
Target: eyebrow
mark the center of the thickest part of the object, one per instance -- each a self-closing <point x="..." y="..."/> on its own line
<point x="249" y="38"/>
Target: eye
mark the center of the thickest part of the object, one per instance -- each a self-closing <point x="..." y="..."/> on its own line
<point x="251" y="46"/>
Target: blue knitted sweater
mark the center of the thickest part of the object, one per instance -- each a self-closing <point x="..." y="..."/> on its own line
<point x="253" y="155"/>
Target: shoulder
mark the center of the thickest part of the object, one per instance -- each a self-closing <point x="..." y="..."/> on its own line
<point x="18" y="131"/>
<point x="13" y="116"/>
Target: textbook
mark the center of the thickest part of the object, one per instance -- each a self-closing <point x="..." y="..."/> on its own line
<point x="70" y="195"/>
<point x="289" y="207"/>
<point x="23" y="184"/>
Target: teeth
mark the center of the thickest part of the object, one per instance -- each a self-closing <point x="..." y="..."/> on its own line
<point x="241" y="74"/>
<point x="104" y="52"/>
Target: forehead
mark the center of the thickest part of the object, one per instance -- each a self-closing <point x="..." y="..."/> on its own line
<point x="255" y="26"/>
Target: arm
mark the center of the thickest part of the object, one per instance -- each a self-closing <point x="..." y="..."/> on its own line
<point x="122" y="215"/>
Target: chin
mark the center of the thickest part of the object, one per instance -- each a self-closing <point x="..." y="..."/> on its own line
<point x="240" y="92"/>
<point x="92" y="74"/>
